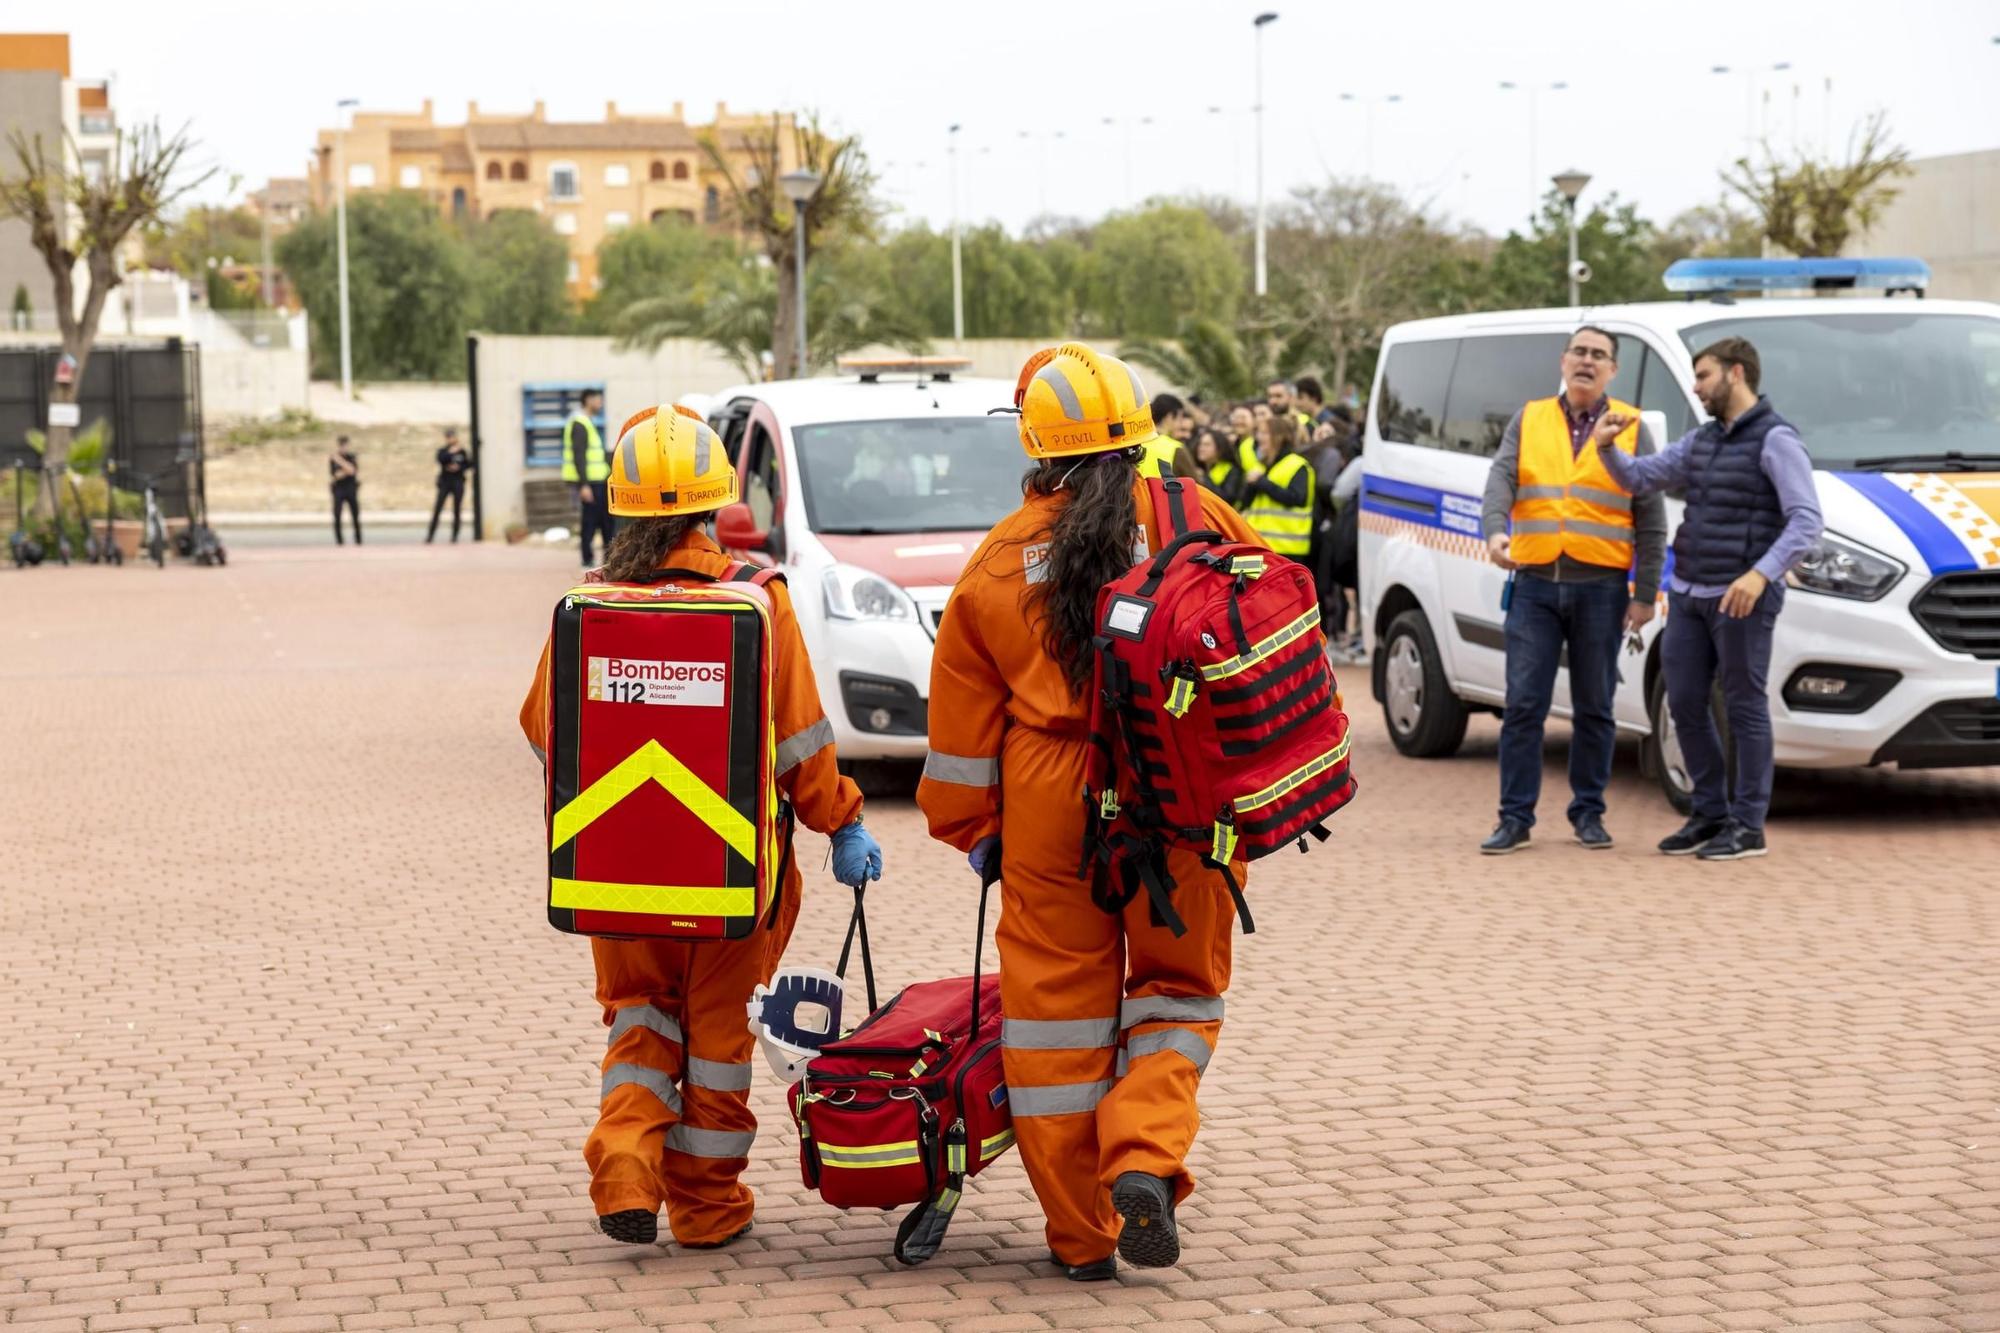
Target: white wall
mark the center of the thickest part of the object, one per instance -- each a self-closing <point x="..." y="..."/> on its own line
<point x="1948" y="214"/>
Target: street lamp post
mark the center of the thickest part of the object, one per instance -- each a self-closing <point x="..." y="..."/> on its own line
<point x="957" y="268"/>
<point x="340" y="244"/>
<point x="1534" y="138"/>
<point x="1571" y="184"/>
<point x="1258" y="24"/>
<point x="800" y="186"/>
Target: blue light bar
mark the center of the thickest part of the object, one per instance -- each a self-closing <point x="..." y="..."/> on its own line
<point x="1763" y="275"/>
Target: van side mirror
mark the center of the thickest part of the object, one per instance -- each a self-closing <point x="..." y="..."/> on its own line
<point x="736" y="529"/>
<point x="1655" y="423"/>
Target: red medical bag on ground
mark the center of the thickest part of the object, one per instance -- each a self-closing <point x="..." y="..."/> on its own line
<point x="909" y="1104"/>
<point x="660" y="759"/>
<point x="1216" y="721"/>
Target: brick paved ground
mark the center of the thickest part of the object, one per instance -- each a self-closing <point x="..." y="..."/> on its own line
<point x="286" y="1045"/>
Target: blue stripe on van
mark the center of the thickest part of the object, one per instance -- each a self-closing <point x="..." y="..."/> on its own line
<point x="1426" y="505"/>
<point x="1936" y="543"/>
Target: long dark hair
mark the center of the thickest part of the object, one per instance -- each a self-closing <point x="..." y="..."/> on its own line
<point x="1090" y="545"/>
<point x="642" y="544"/>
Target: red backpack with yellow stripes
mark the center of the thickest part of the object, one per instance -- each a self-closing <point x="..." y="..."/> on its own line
<point x="1216" y="723"/>
<point x="661" y="762"/>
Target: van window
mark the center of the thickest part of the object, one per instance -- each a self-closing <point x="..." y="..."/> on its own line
<point x="1659" y="391"/>
<point x="1494" y="377"/>
<point x="760" y="477"/>
<point x="1409" y="407"/>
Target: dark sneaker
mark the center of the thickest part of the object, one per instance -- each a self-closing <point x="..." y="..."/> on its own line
<point x="1689" y="837"/>
<point x="634" y="1226"/>
<point x="1150" y="1238"/>
<point x="1102" y="1271"/>
<point x="1508" y="837"/>
<point x="716" y="1244"/>
<point x="1590" y="833"/>
<point x="1734" y="843"/>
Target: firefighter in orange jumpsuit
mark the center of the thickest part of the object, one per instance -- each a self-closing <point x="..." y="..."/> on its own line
<point x="1109" y="1019"/>
<point x="674" y="1123"/>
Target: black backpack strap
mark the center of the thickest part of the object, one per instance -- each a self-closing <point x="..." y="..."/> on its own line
<point x="1176" y="506"/>
<point x="758" y="576"/>
<point x="1236" y="895"/>
<point x="668" y="575"/>
<point x="920" y="1234"/>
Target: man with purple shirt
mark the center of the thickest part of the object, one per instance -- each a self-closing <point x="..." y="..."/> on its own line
<point x="1752" y="513"/>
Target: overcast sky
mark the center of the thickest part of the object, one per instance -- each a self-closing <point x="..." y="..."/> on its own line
<point x="1642" y="111"/>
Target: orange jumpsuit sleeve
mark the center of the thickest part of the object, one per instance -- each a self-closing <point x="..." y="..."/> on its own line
<point x="960" y="791"/>
<point x="1222" y="516"/>
<point x="535" y="709"/>
<point x="808" y="773"/>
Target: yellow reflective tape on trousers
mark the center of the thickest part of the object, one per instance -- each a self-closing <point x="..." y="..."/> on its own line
<point x="1258" y="652"/>
<point x="1293" y="780"/>
<point x="593" y="895"/>
<point x="869" y="1155"/>
<point x="651" y="762"/>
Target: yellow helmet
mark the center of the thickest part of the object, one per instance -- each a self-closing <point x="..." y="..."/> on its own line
<point x="1073" y="400"/>
<point x="668" y="461"/>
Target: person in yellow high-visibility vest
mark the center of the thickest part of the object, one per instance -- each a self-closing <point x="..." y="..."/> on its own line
<point x="1588" y="558"/>
<point x="1243" y="428"/>
<point x="586" y="466"/>
<point x="1166" y="455"/>
<point x="1278" y="491"/>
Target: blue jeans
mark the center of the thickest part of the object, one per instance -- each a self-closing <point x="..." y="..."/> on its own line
<point x="1545" y="617"/>
<point x="1699" y="648"/>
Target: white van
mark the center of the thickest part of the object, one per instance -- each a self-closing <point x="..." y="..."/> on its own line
<point x="869" y="491"/>
<point x="1888" y="650"/>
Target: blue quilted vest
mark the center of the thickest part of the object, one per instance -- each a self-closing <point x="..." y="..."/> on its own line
<point x="1733" y="514"/>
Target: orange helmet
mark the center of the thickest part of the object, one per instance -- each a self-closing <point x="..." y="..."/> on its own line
<point x="668" y="461"/>
<point x="1074" y="400"/>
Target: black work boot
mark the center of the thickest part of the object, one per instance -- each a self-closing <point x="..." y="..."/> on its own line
<point x="1102" y="1271"/>
<point x="1150" y="1238"/>
<point x="1690" y="837"/>
<point x="1510" y="836"/>
<point x="634" y="1226"/>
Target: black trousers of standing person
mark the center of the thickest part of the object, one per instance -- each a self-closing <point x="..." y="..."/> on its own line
<point x="596" y="519"/>
<point x="456" y="490"/>
<point x="351" y="497"/>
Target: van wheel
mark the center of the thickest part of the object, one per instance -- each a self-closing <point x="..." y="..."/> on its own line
<point x="1663" y="754"/>
<point x="1426" y="720"/>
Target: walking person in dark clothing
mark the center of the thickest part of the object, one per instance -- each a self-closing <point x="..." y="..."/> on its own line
<point x="587" y="466"/>
<point x="1752" y="513"/>
<point x="344" y="479"/>
<point x="453" y="461"/>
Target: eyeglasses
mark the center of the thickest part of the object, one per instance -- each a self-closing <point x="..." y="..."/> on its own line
<point x="1588" y="353"/>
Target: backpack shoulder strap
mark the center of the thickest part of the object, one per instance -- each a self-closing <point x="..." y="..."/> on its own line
<point x="665" y="575"/>
<point x="757" y="576"/>
<point x="1176" y="506"/>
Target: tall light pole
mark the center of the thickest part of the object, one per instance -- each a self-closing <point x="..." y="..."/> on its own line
<point x="1534" y="139"/>
<point x="957" y="267"/>
<point x="340" y="243"/>
<point x="800" y="186"/>
<point x="1571" y="184"/>
<point x="1259" y="23"/>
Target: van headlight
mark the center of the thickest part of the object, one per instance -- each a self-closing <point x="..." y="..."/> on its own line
<point x="853" y="593"/>
<point x="1841" y="568"/>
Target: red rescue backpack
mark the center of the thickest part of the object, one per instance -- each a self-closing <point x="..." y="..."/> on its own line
<point x="1216" y="722"/>
<point x="907" y="1106"/>
<point x="661" y="759"/>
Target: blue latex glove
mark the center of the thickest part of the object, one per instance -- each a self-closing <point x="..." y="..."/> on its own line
<point x="980" y="858"/>
<point x="857" y="857"/>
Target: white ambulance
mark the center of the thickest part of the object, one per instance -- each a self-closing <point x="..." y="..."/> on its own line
<point x="1888" y="650"/>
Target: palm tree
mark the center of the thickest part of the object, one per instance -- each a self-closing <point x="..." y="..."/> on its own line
<point x="1208" y="360"/>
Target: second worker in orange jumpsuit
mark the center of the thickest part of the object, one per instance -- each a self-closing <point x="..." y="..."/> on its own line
<point x="674" y="1123"/>
<point x="1110" y="1020"/>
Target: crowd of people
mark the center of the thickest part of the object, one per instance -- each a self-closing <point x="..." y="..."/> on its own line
<point x="1290" y="464"/>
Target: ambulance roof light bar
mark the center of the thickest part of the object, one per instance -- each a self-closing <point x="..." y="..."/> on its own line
<point x="1716" y="278"/>
<point x="872" y="368"/>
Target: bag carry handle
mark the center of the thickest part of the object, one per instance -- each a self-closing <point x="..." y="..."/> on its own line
<point x="987" y="880"/>
<point x="858" y="924"/>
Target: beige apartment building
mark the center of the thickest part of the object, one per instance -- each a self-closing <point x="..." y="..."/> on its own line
<point x="590" y="179"/>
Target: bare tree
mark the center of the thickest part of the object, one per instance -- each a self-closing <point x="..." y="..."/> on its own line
<point x="1811" y="208"/>
<point x="757" y="204"/>
<point x="46" y="191"/>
